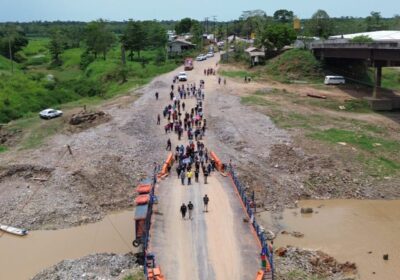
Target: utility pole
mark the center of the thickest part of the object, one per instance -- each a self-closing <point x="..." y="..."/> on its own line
<point x="206" y="20"/>
<point x="215" y="22"/>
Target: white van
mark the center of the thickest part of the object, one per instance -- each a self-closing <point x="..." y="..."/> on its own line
<point x="334" y="80"/>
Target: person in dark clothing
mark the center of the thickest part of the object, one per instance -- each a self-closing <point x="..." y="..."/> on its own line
<point x="196" y="175"/>
<point x="158" y="119"/>
<point x="209" y="167"/>
<point x="190" y="207"/>
<point x="169" y="145"/>
<point x="178" y="171"/>
<point x="183" y="176"/>
<point x="157" y="95"/>
<point x="205" y="172"/>
<point x="205" y="202"/>
<point x="183" y="210"/>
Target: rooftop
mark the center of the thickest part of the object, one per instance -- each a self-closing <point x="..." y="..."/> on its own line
<point x="384" y="35"/>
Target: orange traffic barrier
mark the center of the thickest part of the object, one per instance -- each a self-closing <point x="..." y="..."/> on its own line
<point x="218" y="163"/>
<point x="260" y="275"/>
<point x="143" y="189"/>
<point x="155" y="274"/>
<point x="142" y="199"/>
<point x="164" y="169"/>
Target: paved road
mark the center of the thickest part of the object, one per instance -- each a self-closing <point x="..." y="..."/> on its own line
<point x="213" y="245"/>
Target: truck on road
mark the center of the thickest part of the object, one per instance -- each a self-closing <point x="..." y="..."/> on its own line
<point x="188" y="64"/>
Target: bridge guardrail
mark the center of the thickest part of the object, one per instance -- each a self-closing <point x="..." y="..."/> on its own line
<point x="267" y="249"/>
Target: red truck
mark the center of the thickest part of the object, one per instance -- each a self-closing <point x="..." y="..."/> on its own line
<point x="188" y="64"/>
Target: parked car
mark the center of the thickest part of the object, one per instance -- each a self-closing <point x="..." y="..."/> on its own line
<point x="182" y="76"/>
<point x="50" y="114"/>
<point x="201" y="57"/>
<point x="334" y="80"/>
<point x="210" y="54"/>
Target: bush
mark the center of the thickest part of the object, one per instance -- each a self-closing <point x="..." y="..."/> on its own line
<point x="295" y="64"/>
<point x="86" y="87"/>
<point x="86" y="59"/>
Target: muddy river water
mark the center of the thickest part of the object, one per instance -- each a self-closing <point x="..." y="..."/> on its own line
<point x="23" y="257"/>
<point x="359" y="231"/>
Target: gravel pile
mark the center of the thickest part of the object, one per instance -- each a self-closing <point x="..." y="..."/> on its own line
<point x="93" y="267"/>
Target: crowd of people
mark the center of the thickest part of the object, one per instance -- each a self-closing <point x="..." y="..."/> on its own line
<point x="192" y="159"/>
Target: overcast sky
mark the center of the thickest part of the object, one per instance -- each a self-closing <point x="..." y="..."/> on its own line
<point x="86" y="10"/>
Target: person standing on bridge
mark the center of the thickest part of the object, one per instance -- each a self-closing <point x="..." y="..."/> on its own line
<point x="156" y="95"/>
<point x="190" y="207"/>
<point x="189" y="176"/>
<point x="183" y="210"/>
<point x="205" y="202"/>
<point x="158" y="119"/>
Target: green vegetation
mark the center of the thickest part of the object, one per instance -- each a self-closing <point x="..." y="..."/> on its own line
<point x="136" y="276"/>
<point x="2" y="149"/>
<point x="295" y="64"/>
<point x="51" y="75"/>
<point x="374" y="146"/>
<point x="362" y="39"/>
<point x="391" y="78"/>
<point x="239" y="74"/>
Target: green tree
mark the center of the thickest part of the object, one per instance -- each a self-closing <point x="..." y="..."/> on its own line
<point x="56" y="46"/>
<point x="12" y="40"/>
<point x="98" y="37"/>
<point x="374" y="22"/>
<point x="156" y="35"/>
<point x="320" y="24"/>
<point x="275" y="36"/>
<point x="184" y="26"/>
<point x="134" y="38"/>
<point x="197" y="34"/>
<point x="283" y="16"/>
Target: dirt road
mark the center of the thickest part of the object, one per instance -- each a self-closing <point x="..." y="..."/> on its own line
<point x="213" y="245"/>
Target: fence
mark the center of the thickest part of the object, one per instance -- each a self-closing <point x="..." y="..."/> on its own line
<point x="266" y="250"/>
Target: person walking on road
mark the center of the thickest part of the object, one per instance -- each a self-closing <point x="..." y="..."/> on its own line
<point x="158" y="119"/>
<point x="183" y="210"/>
<point x="183" y="177"/>
<point x="205" y="202"/>
<point x="224" y="81"/>
<point x="169" y="145"/>
<point x="156" y="95"/>
<point x="196" y="175"/>
<point x="205" y="172"/>
<point x="190" y="207"/>
<point x="189" y="176"/>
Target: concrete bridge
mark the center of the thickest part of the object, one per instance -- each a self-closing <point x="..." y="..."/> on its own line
<point x="377" y="55"/>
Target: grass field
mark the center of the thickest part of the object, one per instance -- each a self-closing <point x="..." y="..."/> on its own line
<point x="376" y="147"/>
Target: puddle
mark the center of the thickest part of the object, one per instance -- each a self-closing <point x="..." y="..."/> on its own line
<point x="359" y="231"/>
<point x="23" y="257"/>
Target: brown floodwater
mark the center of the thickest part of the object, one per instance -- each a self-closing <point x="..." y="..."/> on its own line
<point x="359" y="231"/>
<point x="23" y="257"/>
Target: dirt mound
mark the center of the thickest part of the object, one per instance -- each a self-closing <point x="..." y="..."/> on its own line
<point x="9" y="137"/>
<point x="87" y="119"/>
<point x="25" y="171"/>
<point x="311" y="263"/>
<point x="158" y="84"/>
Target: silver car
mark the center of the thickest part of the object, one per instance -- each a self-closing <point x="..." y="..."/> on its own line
<point x="50" y="114"/>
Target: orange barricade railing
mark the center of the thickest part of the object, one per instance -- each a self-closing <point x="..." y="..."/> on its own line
<point x="260" y="275"/>
<point x="218" y="163"/>
<point x="167" y="163"/>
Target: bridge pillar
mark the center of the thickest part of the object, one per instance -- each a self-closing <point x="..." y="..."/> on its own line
<point x="378" y="80"/>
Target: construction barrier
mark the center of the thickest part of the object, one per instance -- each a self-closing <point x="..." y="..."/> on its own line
<point x="248" y="204"/>
<point x="218" y="164"/>
<point x="260" y="275"/>
<point x="143" y="218"/>
<point x="167" y="164"/>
